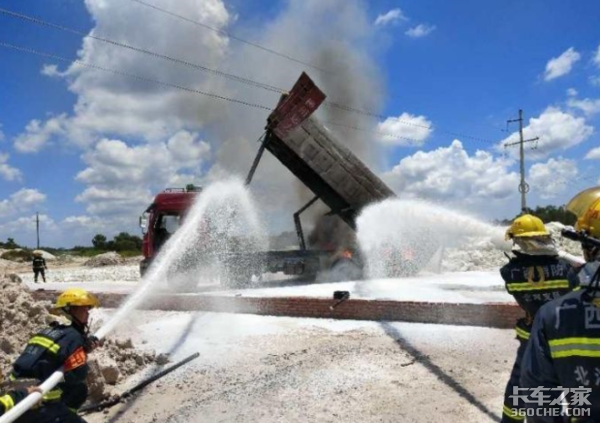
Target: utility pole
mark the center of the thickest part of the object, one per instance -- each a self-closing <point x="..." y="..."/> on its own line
<point x="523" y="186"/>
<point x="37" y="229"/>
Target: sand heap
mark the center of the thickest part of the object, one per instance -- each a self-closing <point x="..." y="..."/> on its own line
<point x="21" y="316"/>
<point x="107" y="259"/>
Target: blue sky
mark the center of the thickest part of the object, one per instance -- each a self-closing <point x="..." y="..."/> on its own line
<point x="87" y="149"/>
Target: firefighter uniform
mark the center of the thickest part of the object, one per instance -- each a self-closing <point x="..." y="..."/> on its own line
<point x="47" y="351"/>
<point x="563" y="354"/>
<point x="9" y="400"/>
<point x="39" y="267"/>
<point x="564" y="351"/>
<point x="532" y="280"/>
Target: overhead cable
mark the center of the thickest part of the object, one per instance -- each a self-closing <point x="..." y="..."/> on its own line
<point x="140" y="50"/>
<point x="230" y="35"/>
<point x="132" y="76"/>
<point x="237" y="78"/>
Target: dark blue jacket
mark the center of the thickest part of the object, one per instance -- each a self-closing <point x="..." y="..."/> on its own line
<point x="46" y="352"/>
<point x="535" y="280"/>
<point x="564" y="349"/>
<point x="9" y="400"/>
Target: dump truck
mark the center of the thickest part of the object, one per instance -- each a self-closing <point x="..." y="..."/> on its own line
<point x="322" y="163"/>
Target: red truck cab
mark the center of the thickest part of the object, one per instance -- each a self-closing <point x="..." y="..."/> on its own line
<point x="162" y="218"/>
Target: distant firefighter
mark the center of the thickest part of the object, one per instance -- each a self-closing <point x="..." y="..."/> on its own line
<point x="533" y="276"/>
<point x="39" y="266"/>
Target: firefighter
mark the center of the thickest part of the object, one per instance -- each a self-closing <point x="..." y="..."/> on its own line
<point x="58" y="346"/>
<point x="9" y="400"/>
<point x="39" y="266"/>
<point x="564" y="350"/>
<point x="533" y="276"/>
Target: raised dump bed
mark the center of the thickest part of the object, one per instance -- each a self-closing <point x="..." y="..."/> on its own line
<point x="312" y="153"/>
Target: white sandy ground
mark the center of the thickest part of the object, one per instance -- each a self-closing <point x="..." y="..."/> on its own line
<point x="278" y="369"/>
<point x="458" y="287"/>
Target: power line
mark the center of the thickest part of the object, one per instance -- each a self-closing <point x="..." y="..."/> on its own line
<point x="226" y="75"/>
<point x="230" y="35"/>
<point x="229" y="76"/>
<point x="404" y="122"/>
<point x="180" y="87"/>
<point x="132" y="76"/>
<point x="413" y="142"/>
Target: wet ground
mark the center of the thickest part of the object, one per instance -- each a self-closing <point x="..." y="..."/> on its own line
<point x="269" y="369"/>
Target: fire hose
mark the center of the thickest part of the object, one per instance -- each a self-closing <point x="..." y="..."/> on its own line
<point x="340" y="296"/>
<point x="33" y="398"/>
<point x="57" y="377"/>
<point x="138" y="387"/>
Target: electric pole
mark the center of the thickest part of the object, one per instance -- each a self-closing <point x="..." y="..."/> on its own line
<point x="523" y="186"/>
<point x="37" y="229"/>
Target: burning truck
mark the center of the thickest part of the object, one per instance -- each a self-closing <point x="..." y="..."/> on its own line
<point x="323" y="164"/>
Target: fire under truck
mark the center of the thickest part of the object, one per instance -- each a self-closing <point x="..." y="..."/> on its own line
<point x="310" y="151"/>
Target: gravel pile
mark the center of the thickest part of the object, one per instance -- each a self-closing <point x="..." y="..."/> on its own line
<point x="124" y="273"/>
<point x="107" y="259"/>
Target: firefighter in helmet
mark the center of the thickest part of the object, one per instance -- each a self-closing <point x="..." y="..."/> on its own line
<point x="50" y="349"/>
<point x="534" y="275"/>
<point x="563" y="354"/>
<point x="39" y="266"/>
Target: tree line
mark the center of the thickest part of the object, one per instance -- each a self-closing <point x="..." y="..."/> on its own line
<point x="548" y="214"/>
<point x="121" y="242"/>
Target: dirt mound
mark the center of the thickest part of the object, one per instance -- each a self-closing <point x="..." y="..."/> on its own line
<point x="46" y="255"/>
<point x="7" y="265"/>
<point x="21" y="316"/>
<point x="107" y="259"/>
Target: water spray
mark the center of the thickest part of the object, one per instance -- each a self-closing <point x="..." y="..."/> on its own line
<point x="230" y="195"/>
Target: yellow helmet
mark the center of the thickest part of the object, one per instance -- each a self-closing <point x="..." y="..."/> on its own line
<point x="76" y="297"/>
<point x="586" y="206"/>
<point x="526" y="226"/>
<point x="37" y="253"/>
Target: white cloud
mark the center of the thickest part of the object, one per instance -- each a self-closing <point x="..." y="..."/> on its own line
<point x="588" y="106"/>
<point x="572" y="92"/>
<point x="593" y="154"/>
<point x="51" y="71"/>
<point x="113" y="104"/>
<point x="21" y="201"/>
<point x="23" y="230"/>
<point x="449" y="173"/>
<point x="403" y="130"/>
<point x="121" y="178"/>
<point x="552" y="178"/>
<point x="116" y="201"/>
<point x="556" y="129"/>
<point x="421" y="30"/>
<point x="392" y="16"/>
<point x="38" y="134"/>
<point x="561" y="65"/>
<point x="7" y="172"/>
